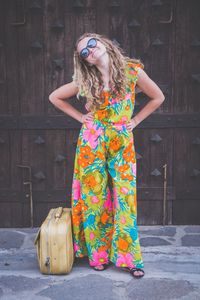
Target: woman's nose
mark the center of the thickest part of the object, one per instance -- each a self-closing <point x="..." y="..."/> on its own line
<point x="91" y="50"/>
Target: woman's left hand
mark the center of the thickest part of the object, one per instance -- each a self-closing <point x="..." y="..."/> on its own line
<point x="130" y="125"/>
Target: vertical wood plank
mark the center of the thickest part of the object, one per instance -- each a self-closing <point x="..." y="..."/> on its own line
<point x="54" y="40"/>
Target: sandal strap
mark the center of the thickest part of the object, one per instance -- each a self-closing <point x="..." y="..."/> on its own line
<point x="136" y="269"/>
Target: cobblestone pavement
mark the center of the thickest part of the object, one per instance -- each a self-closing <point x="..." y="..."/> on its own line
<point x="171" y="258"/>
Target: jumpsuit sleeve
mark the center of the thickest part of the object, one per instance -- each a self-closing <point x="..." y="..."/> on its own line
<point x="133" y="71"/>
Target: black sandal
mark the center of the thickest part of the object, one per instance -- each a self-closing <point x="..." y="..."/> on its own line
<point x="133" y="270"/>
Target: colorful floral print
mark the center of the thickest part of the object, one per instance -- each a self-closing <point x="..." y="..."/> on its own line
<point x="104" y="216"/>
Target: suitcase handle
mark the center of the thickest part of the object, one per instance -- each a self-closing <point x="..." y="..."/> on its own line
<point x="59" y="212"/>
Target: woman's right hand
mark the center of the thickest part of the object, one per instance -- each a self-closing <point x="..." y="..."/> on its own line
<point x="87" y="117"/>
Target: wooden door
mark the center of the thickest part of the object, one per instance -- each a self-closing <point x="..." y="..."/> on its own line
<point x="38" y="141"/>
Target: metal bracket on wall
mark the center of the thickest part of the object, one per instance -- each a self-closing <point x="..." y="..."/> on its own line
<point x="24" y="16"/>
<point x="30" y="195"/>
<point x="171" y="15"/>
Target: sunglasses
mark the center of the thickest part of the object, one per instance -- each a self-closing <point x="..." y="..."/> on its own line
<point x="90" y="44"/>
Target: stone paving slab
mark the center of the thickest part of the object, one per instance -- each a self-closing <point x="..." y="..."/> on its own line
<point x="191" y="240"/>
<point x="171" y="262"/>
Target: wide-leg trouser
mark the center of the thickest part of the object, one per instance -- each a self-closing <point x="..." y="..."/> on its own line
<point x="104" y="212"/>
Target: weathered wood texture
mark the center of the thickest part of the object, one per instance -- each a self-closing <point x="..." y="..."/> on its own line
<point x="36" y="56"/>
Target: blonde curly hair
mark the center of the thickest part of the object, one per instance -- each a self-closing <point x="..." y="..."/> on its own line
<point x="88" y="79"/>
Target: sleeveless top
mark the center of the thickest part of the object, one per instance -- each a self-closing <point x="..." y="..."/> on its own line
<point x="119" y="109"/>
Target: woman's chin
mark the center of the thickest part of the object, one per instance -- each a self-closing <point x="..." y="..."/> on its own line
<point x="99" y="55"/>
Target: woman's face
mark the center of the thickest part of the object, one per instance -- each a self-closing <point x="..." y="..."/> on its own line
<point x="95" y="53"/>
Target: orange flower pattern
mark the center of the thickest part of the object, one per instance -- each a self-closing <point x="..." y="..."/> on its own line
<point x="104" y="214"/>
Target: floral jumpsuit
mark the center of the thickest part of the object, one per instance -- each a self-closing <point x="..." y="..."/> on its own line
<point x="104" y="218"/>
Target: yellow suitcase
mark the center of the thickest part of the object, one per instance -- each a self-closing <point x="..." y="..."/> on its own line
<point x="54" y="242"/>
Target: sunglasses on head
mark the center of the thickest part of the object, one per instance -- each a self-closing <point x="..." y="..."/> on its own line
<point x="90" y="44"/>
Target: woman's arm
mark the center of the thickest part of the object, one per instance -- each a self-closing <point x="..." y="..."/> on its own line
<point x="150" y="88"/>
<point x="58" y="97"/>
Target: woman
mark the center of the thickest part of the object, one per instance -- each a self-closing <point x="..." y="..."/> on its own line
<point x="104" y="216"/>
